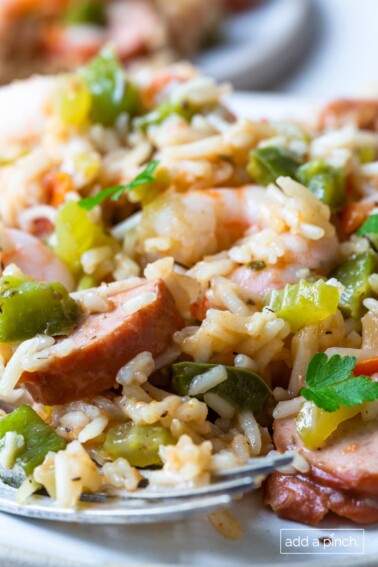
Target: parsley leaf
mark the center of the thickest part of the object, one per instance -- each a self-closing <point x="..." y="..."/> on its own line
<point x="330" y="384"/>
<point x="369" y="227"/>
<point x="144" y="177"/>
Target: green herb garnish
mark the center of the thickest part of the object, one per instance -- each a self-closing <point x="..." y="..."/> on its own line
<point x="331" y="384"/>
<point x="146" y="176"/>
<point x="369" y="227"/>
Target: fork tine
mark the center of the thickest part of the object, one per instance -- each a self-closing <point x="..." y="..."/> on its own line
<point x="242" y="476"/>
<point x="236" y="485"/>
<point x="259" y="465"/>
<point x="144" y="507"/>
<point x="120" y="512"/>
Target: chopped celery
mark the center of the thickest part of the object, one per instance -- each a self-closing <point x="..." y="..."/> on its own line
<point x="29" y="308"/>
<point x="38" y="440"/>
<point x="86" y="282"/>
<point x="243" y="389"/>
<point x="164" y="110"/>
<point x="75" y="234"/>
<point x="367" y="154"/>
<point x="324" y="181"/>
<point x="111" y="93"/>
<point x="86" y="12"/>
<point x="304" y="303"/>
<point x="354" y="274"/>
<point x="268" y="163"/>
<point x="315" y="425"/>
<point x="73" y="100"/>
<point x="139" y="444"/>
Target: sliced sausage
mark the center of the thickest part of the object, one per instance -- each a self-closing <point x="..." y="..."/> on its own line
<point x="103" y="343"/>
<point x="349" y="460"/>
<point x="298" y="498"/>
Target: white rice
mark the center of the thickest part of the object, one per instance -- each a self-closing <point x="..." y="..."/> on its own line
<point x="96" y="258"/>
<point x="369" y="169"/>
<point x="167" y="357"/>
<point x="136" y="370"/>
<point x="371" y="304"/>
<point x="93" y="429"/>
<point x="94" y="302"/>
<point x="226" y="293"/>
<point x="75" y="418"/>
<point x="18" y="362"/>
<point x="245" y="362"/>
<point x="40" y="359"/>
<point x="120" y="230"/>
<point x="299" y="463"/>
<point x="112" y="288"/>
<point x="11" y="443"/>
<point x="346" y="137"/>
<point x="204" y="382"/>
<point x="251" y="430"/>
<point x="136" y="303"/>
<point x="355" y="352"/>
<point x="226" y="524"/>
<point x="288" y="408"/>
<point x="121" y="475"/>
<point x="223" y="408"/>
<point x="199" y="91"/>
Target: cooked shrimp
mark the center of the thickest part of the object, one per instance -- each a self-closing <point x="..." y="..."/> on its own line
<point x="200" y="223"/>
<point x="192" y="225"/>
<point x="33" y="258"/>
<point x="317" y="255"/>
<point x="23" y="108"/>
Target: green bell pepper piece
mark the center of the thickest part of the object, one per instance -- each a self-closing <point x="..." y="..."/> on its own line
<point x="267" y="164"/>
<point x="38" y="439"/>
<point x="139" y="444"/>
<point x="324" y="181"/>
<point x="243" y="389"/>
<point x="354" y="274"/>
<point x="304" y="303"/>
<point x="29" y="308"/>
<point x="111" y="93"/>
<point x="86" y="12"/>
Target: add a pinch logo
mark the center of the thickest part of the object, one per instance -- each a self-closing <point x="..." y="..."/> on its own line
<point x="310" y="541"/>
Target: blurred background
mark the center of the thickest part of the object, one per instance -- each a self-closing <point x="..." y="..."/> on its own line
<point x="314" y="48"/>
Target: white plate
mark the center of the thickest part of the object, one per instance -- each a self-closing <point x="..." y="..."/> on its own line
<point x="259" y="43"/>
<point x="32" y="543"/>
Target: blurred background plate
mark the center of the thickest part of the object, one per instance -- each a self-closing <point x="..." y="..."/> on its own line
<point x="259" y="43"/>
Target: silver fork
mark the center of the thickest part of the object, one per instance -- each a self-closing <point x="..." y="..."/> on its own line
<point x="147" y="505"/>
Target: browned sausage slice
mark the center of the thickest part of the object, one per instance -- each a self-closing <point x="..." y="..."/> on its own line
<point x="298" y="498"/>
<point x="103" y="343"/>
<point x="349" y="460"/>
